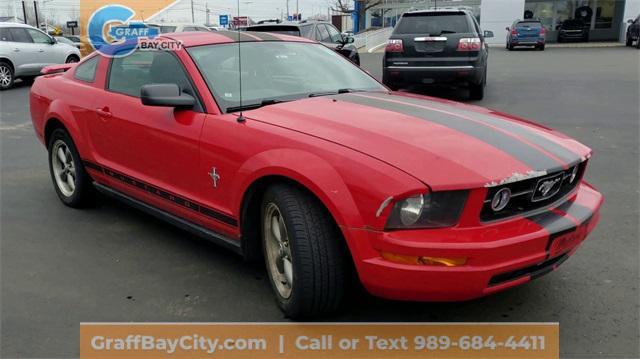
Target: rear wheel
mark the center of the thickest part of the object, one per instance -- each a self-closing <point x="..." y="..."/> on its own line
<point x="304" y="255"/>
<point x="476" y="91"/>
<point x="629" y="41"/>
<point x="70" y="180"/>
<point x="638" y="43"/>
<point x="72" y="59"/>
<point x="510" y="47"/>
<point x="6" y="75"/>
<point x="541" y="47"/>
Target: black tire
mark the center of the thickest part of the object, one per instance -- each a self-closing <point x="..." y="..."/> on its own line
<point x="476" y="91"/>
<point x="541" y="47"/>
<point x="28" y="79"/>
<point x="629" y="41"/>
<point x="71" y="59"/>
<point x="6" y="75"/>
<point x="638" y="43"/>
<point x="510" y="47"/>
<point x="83" y="191"/>
<point x="318" y="254"/>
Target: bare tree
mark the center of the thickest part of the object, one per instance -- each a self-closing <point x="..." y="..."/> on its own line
<point x="345" y="7"/>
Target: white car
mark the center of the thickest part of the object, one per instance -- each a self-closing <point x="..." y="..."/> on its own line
<point x="25" y="50"/>
<point x="166" y="27"/>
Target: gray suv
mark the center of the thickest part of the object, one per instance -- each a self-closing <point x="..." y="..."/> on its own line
<point x="25" y="50"/>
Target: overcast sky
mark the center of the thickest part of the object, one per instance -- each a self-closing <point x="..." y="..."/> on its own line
<point x="63" y="10"/>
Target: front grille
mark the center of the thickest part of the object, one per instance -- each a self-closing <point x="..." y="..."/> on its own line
<point x="523" y="195"/>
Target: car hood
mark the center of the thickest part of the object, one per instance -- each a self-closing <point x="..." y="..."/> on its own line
<point x="445" y="144"/>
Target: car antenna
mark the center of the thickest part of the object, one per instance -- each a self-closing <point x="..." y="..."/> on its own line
<point x="241" y="117"/>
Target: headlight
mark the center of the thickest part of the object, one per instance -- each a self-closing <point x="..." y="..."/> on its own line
<point x="431" y="210"/>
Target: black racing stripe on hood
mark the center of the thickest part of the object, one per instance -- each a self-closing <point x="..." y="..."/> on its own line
<point x="517" y="149"/>
<point x="264" y="36"/>
<point x="234" y="35"/>
<point x="567" y="156"/>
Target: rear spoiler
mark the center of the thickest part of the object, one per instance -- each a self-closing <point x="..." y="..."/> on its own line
<point x="53" y="69"/>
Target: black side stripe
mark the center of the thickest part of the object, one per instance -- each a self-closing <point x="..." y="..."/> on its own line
<point x="234" y="35"/>
<point x="529" y="155"/>
<point x="181" y="201"/>
<point x="564" y="154"/>
<point x="264" y="36"/>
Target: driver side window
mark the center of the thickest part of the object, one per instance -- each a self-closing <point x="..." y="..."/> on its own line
<point x="334" y="34"/>
<point x="39" y="37"/>
<point x="129" y="73"/>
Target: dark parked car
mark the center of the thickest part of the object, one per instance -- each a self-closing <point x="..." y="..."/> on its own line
<point x="323" y="32"/>
<point x="526" y="33"/>
<point x="633" y="32"/>
<point x="437" y="46"/>
<point x="573" y="29"/>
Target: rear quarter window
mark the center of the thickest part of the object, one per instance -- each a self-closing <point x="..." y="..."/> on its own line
<point x="4" y="34"/>
<point x="532" y="24"/>
<point x="86" y="71"/>
<point x="433" y="24"/>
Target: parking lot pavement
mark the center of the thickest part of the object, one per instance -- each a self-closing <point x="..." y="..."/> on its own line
<point x="61" y="266"/>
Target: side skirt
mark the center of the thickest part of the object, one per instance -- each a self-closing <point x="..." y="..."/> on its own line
<point x="219" y="239"/>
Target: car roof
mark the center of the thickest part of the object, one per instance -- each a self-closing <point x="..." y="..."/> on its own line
<point x="175" y="24"/>
<point x="15" y="24"/>
<point x="436" y="11"/>
<point x="195" y="38"/>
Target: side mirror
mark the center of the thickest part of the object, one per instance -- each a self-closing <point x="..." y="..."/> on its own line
<point x="52" y="40"/>
<point x="347" y="39"/>
<point x="165" y="95"/>
<point x="630" y="21"/>
<point x="488" y="33"/>
<point x="507" y="28"/>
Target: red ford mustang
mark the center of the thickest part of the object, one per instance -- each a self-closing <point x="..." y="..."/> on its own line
<point x="317" y="168"/>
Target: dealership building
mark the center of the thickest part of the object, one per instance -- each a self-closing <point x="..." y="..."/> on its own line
<point x="605" y="19"/>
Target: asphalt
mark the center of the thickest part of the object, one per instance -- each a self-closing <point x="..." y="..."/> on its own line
<point x="60" y="267"/>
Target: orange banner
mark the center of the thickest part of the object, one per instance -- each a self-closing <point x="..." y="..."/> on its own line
<point x="321" y="340"/>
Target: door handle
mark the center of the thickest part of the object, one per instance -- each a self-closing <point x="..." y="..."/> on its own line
<point x="41" y="50"/>
<point x="104" y="112"/>
<point x="16" y="50"/>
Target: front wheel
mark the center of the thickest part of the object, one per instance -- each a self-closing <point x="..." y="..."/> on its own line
<point x="6" y="76"/>
<point x="70" y="180"/>
<point x="304" y="253"/>
<point x="629" y="41"/>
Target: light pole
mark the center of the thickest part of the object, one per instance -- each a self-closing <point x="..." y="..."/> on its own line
<point x="287" y="10"/>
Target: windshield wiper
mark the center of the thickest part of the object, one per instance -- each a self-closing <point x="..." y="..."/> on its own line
<point x="340" y="91"/>
<point x="254" y="106"/>
<point x="447" y="32"/>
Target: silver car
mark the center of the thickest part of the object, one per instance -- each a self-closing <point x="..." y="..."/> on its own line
<point x="25" y="50"/>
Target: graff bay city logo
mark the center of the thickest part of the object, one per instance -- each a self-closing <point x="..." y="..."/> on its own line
<point x="112" y="32"/>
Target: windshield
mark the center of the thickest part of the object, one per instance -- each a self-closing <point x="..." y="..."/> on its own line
<point x="276" y="71"/>
<point x="433" y="24"/>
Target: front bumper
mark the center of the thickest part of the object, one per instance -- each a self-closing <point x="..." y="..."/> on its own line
<point x="499" y="255"/>
<point x="425" y="75"/>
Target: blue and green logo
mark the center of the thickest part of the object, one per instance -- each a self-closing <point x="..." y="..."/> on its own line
<point x="124" y="34"/>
